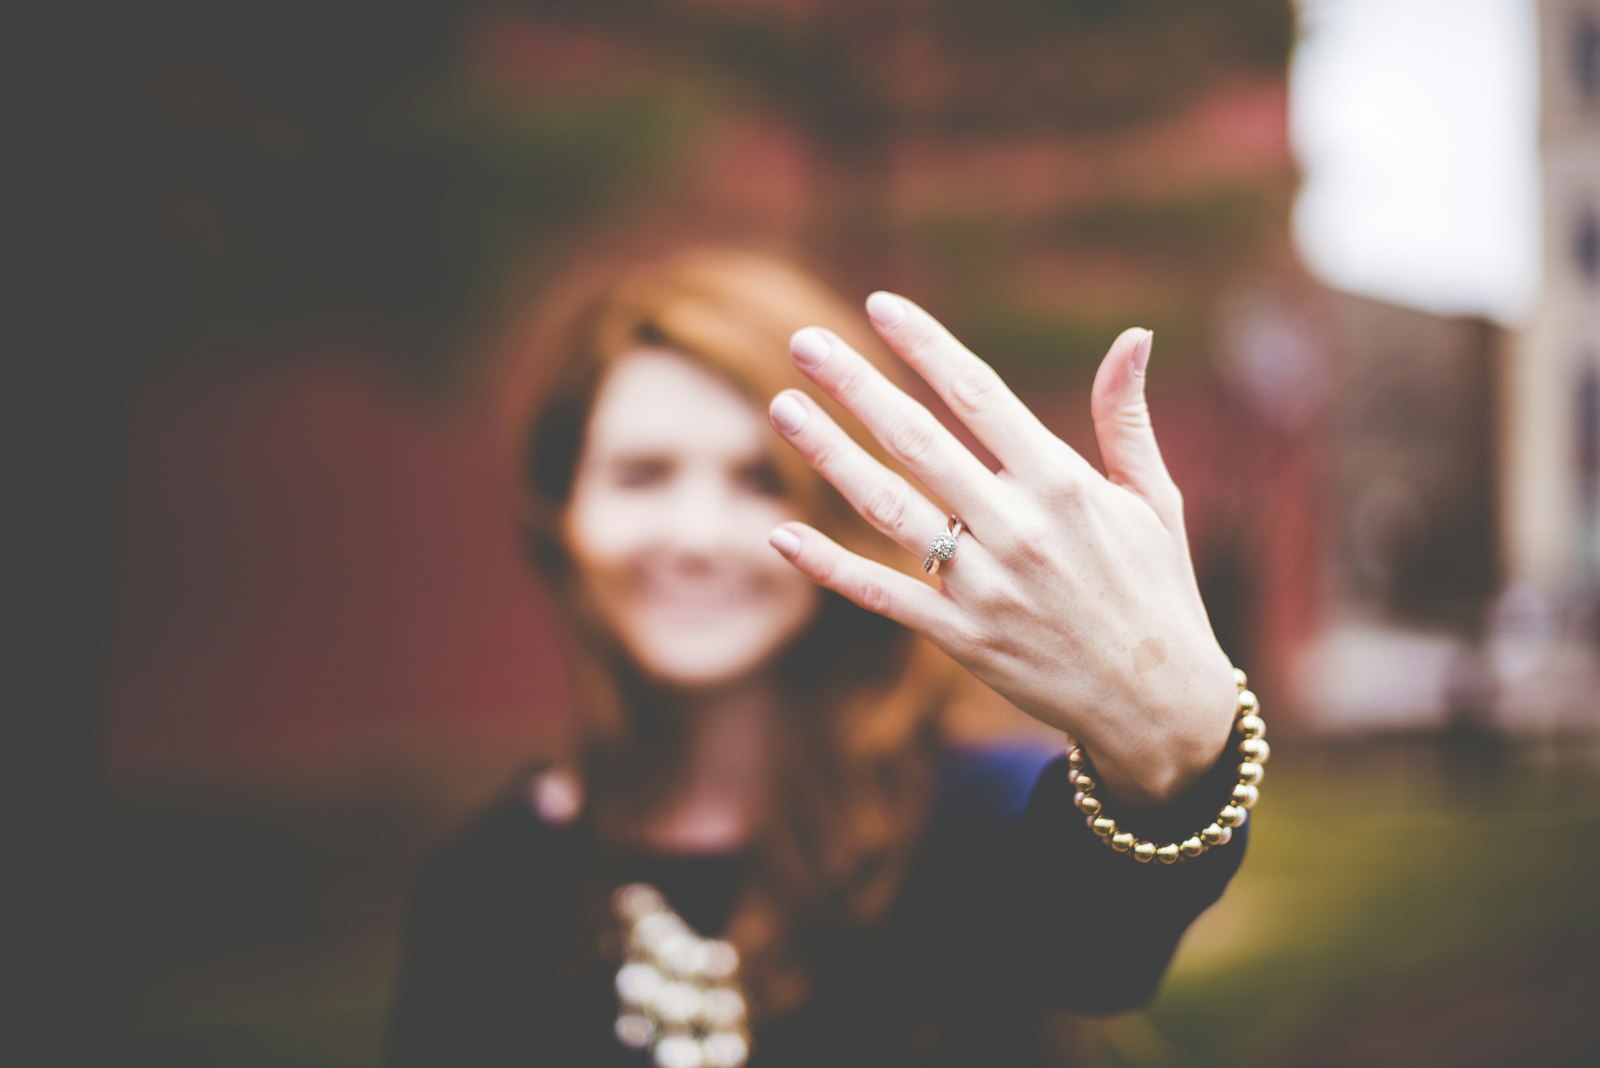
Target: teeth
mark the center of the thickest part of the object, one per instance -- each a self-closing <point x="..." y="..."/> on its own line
<point x="696" y="594"/>
<point x="697" y="602"/>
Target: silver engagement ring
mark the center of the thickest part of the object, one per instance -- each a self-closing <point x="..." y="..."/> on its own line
<point x="942" y="547"/>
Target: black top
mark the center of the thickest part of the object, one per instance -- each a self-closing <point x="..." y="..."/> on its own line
<point x="1011" y="905"/>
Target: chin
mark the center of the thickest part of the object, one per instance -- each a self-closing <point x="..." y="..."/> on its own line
<point x="682" y="672"/>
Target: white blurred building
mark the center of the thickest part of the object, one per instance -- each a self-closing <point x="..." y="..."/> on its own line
<point x="1543" y="642"/>
<point x="1466" y="474"/>
<point x="1551" y="460"/>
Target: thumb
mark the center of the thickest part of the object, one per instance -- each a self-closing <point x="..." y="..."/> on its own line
<point x="1123" y="429"/>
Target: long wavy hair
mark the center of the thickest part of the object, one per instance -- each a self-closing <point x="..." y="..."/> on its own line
<point x="854" y="781"/>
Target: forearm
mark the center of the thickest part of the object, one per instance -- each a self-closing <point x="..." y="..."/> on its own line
<point x="1104" y="927"/>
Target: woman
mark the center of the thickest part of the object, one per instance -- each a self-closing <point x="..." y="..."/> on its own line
<point x="759" y="846"/>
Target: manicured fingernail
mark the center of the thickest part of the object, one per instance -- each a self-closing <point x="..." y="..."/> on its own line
<point x="886" y="309"/>
<point x="784" y="541"/>
<point x="787" y="413"/>
<point x="1141" y="352"/>
<point x="810" y="347"/>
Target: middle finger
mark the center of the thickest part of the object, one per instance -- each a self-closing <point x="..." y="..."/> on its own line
<point x="883" y="498"/>
<point x="905" y="427"/>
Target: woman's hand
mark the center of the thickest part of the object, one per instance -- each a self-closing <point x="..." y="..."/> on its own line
<point x="1071" y="593"/>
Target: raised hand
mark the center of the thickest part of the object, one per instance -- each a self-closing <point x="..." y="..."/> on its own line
<point x="1071" y="593"/>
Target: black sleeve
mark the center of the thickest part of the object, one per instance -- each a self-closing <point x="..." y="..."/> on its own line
<point x="1078" y="926"/>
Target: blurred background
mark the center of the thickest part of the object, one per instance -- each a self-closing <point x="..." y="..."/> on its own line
<point x="276" y="638"/>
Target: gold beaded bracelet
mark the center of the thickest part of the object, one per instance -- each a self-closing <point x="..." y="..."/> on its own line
<point x="1253" y="749"/>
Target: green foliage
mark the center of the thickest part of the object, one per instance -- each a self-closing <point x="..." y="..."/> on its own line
<point x="1374" y="889"/>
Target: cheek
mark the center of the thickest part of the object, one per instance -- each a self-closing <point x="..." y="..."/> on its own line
<point x="604" y="533"/>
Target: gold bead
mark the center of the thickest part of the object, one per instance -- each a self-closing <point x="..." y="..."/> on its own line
<point x="1192" y="846"/>
<point x="1240" y="679"/>
<point x="1085" y="784"/>
<point x="1144" y="852"/>
<point x="1089" y="806"/>
<point x="1103" y="826"/>
<point x="1167" y="854"/>
<point x="1122" y="841"/>
<point x="1255" y="749"/>
<point x="1231" y="816"/>
<point x="1252" y="726"/>
<point x="1251" y="772"/>
<point x="1249" y="704"/>
<point x="1075" y="756"/>
<point x="1212" y="834"/>
<point x="1245" y="795"/>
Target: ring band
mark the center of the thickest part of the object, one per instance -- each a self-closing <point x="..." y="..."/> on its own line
<point x="942" y="547"/>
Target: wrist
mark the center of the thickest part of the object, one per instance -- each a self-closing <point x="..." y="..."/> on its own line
<point x="1186" y="744"/>
<point x="1235" y="776"/>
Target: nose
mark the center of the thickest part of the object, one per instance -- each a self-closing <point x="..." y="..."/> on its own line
<point x="698" y="520"/>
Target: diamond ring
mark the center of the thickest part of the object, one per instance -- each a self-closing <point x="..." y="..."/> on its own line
<point x="942" y="547"/>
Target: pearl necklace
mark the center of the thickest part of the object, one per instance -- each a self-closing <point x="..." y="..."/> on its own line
<point x="679" y="993"/>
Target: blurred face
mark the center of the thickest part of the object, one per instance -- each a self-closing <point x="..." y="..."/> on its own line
<point x="671" y="505"/>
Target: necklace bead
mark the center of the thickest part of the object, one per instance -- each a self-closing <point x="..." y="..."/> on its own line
<point x="678" y="994"/>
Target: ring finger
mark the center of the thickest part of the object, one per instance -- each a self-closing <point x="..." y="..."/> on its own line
<point x="903" y="426"/>
<point x="884" y="499"/>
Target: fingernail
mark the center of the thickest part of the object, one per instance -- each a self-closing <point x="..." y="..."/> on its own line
<point x="787" y="413"/>
<point x="886" y="309"/>
<point x="1141" y="352"/>
<point x="810" y="346"/>
<point x="784" y="541"/>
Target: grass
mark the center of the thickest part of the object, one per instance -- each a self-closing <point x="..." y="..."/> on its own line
<point x="1371" y="888"/>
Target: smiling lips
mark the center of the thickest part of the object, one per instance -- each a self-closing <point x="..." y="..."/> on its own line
<point x="696" y="596"/>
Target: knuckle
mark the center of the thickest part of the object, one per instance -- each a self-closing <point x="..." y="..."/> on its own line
<point x="1169" y="508"/>
<point x="823" y="569"/>
<point x="1172" y="497"/>
<point x="1033" y="555"/>
<point x="872" y="596"/>
<point x="823" y="455"/>
<point x="965" y="638"/>
<point x="973" y="390"/>
<point x="998" y="645"/>
<point x="997" y="601"/>
<point x="1133" y="416"/>
<point x="1031" y="544"/>
<point x="847" y="386"/>
<point x="1059" y="485"/>
<point x="887" y="508"/>
<point x="912" y="439"/>
<point x="920" y="343"/>
<point x="986" y="642"/>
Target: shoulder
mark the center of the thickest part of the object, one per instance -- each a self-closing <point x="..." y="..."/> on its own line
<point x="993" y="780"/>
<point x="524" y="843"/>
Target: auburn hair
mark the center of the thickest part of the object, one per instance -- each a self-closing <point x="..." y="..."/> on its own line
<point x="855" y="772"/>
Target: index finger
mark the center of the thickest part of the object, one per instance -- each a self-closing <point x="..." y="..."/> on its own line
<point x="973" y="391"/>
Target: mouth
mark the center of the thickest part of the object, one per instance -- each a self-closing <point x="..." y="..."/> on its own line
<point x="674" y="596"/>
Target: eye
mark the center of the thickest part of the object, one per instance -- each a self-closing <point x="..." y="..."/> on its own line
<point x="762" y="478"/>
<point x="638" y="471"/>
